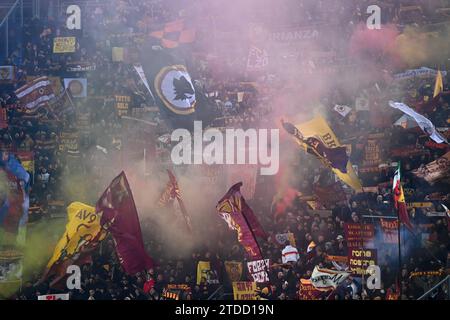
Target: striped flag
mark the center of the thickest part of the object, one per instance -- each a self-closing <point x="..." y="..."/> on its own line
<point x="34" y="94"/>
<point x="399" y="200"/>
<point x="174" y="33"/>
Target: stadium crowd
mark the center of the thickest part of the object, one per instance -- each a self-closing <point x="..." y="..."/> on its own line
<point x="104" y="279"/>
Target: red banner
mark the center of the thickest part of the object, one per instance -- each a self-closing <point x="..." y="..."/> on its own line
<point x="390" y="231"/>
<point x="359" y="235"/>
<point x="307" y="290"/>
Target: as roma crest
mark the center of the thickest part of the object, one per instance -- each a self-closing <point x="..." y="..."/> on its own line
<point x="174" y="86"/>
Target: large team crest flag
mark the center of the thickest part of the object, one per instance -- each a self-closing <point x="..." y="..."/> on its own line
<point x="119" y="216"/>
<point x="240" y="217"/>
<point x="82" y="230"/>
<point x="171" y="84"/>
<point x="317" y="138"/>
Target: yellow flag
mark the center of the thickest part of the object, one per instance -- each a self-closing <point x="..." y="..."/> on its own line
<point x="319" y="127"/>
<point x="82" y="227"/>
<point x="439" y="84"/>
<point x="203" y="267"/>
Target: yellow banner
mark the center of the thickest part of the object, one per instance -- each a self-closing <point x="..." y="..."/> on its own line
<point x="82" y="227"/>
<point x="64" y="44"/>
<point x="419" y="205"/>
<point x="203" y="268"/>
<point x="319" y="127"/>
<point x="244" y="290"/>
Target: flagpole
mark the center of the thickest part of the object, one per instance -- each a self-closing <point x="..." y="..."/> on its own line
<point x="257" y="243"/>
<point x="399" y="256"/>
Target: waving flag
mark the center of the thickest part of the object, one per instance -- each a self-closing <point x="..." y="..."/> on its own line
<point x="83" y="228"/>
<point x="424" y="123"/>
<point x="82" y="235"/>
<point x="120" y="218"/>
<point x="171" y="193"/>
<point x="174" y="33"/>
<point x="34" y="94"/>
<point x="15" y="199"/>
<point x="240" y="217"/>
<point x="438" y="85"/>
<point x="321" y="142"/>
<point x="399" y="200"/>
<point x="326" y="279"/>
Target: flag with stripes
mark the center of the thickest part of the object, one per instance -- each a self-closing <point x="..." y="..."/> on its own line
<point x="174" y="33"/>
<point x="399" y="200"/>
<point x="35" y="94"/>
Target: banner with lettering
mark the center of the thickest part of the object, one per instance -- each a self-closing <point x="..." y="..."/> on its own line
<point x="68" y="142"/>
<point x="307" y="290"/>
<point x="327" y="279"/>
<point x="372" y="153"/>
<point x="436" y="170"/>
<point x="259" y="270"/>
<point x="390" y="231"/>
<point x="64" y="44"/>
<point x="293" y="34"/>
<point x="244" y="290"/>
<point x="122" y="105"/>
<point x="359" y="235"/>
<point x="360" y="259"/>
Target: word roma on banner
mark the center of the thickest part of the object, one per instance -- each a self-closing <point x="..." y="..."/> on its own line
<point x="360" y="259"/>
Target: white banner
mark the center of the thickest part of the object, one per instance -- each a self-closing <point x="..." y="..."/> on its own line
<point x="342" y="110"/>
<point x="61" y="296"/>
<point x="259" y="270"/>
<point x="140" y="72"/>
<point x="326" y="279"/>
<point x="421" y="72"/>
<point x="424" y="123"/>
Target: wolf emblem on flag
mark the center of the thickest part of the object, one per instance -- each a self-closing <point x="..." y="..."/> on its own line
<point x="174" y="87"/>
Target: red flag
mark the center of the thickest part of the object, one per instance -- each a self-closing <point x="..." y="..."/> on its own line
<point x="121" y="219"/>
<point x="240" y="217"/>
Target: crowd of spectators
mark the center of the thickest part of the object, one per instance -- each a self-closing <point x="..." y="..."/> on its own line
<point x="240" y="105"/>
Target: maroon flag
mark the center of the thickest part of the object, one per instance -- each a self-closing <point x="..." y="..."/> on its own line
<point x="171" y="193"/>
<point x="240" y="217"/>
<point x="121" y="219"/>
